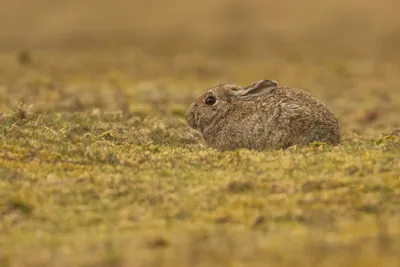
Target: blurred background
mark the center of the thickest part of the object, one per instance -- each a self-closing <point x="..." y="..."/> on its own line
<point x="234" y="27"/>
<point x="152" y="57"/>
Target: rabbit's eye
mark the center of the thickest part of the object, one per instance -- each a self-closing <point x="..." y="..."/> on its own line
<point x="210" y="100"/>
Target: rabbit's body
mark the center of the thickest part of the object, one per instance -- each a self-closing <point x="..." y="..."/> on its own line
<point x="262" y="116"/>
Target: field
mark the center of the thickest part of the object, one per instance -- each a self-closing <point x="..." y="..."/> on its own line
<point x="98" y="167"/>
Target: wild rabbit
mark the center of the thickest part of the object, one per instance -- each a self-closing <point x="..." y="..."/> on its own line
<point x="261" y="116"/>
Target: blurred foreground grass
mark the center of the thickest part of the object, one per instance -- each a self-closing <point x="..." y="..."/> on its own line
<point x="98" y="168"/>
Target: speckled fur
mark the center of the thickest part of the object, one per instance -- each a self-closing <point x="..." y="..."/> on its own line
<point x="269" y="116"/>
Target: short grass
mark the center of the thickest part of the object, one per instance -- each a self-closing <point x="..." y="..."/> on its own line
<point x="98" y="167"/>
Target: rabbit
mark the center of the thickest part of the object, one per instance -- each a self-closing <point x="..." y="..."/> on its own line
<point x="261" y="116"/>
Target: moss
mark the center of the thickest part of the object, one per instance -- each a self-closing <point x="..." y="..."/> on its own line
<point x="387" y="138"/>
<point x="21" y="204"/>
<point x="102" y="170"/>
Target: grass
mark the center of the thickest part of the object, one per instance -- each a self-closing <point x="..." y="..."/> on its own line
<point x="87" y="184"/>
<point x="98" y="167"/>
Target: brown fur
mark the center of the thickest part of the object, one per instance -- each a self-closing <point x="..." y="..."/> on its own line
<point x="261" y="116"/>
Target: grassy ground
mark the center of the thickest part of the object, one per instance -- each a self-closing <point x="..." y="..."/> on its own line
<point x="98" y="168"/>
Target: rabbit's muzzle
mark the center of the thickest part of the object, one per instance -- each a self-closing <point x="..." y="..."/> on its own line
<point x="191" y="116"/>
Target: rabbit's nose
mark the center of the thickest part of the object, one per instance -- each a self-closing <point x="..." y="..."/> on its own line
<point x="191" y="117"/>
<point x="191" y="120"/>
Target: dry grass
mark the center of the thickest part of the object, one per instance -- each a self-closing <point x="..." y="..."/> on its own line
<point x="98" y="168"/>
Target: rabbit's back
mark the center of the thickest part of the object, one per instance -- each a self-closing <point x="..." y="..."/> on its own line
<point x="283" y="118"/>
<point x="294" y="117"/>
<point x="307" y="119"/>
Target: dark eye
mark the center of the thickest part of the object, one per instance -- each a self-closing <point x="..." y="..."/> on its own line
<point x="210" y="100"/>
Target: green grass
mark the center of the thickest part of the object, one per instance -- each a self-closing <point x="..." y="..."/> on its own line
<point x="88" y="190"/>
<point x="98" y="167"/>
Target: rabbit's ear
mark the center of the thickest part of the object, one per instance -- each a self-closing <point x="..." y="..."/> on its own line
<point x="258" y="88"/>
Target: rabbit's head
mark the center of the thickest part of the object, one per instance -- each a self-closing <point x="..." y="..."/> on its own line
<point x="215" y="102"/>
